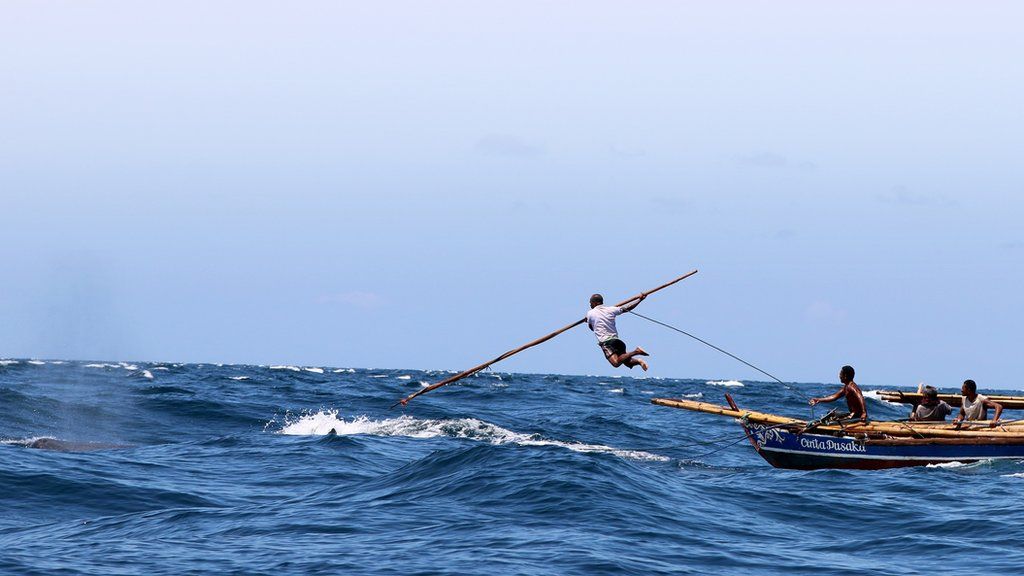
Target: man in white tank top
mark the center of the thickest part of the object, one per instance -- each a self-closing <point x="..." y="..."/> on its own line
<point x="974" y="406"/>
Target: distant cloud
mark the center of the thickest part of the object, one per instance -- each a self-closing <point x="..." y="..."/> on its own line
<point x="901" y="196"/>
<point x="507" y="145"/>
<point x="627" y="152"/>
<point x="672" y="204"/>
<point x="823" y="312"/>
<point x="773" y="160"/>
<point x="357" y="299"/>
<point x="1011" y="245"/>
<point x="764" y="160"/>
<point x="807" y="166"/>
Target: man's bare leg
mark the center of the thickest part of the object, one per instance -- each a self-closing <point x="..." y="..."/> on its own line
<point x="636" y="362"/>
<point x="630" y="361"/>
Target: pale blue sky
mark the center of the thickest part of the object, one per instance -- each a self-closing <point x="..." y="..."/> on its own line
<point x="427" y="184"/>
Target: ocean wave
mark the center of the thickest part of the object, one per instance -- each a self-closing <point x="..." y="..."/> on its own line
<point x="9" y="362"/>
<point x="239" y="377"/>
<point x="345" y="370"/>
<point x="283" y="367"/>
<point x="403" y="377"/>
<point x="314" y="370"/>
<point x="36" y="362"/>
<point x="725" y="383"/>
<point x="322" y="422"/>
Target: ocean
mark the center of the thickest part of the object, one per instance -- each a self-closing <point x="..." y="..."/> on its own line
<point x="162" y="468"/>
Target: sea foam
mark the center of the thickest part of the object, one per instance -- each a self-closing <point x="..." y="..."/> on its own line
<point x="323" y="421"/>
<point x="725" y="383"/>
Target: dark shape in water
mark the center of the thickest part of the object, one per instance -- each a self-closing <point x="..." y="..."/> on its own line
<point x="67" y="446"/>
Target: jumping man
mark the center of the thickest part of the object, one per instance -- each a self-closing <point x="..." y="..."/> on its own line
<point x="601" y="319"/>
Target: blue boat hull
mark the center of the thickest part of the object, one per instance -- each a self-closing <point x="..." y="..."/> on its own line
<point x="784" y="449"/>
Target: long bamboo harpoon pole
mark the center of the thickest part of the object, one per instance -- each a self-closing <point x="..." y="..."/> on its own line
<point x="541" y="340"/>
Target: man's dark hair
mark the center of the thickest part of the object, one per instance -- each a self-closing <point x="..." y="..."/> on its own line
<point x="931" y="392"/>
<point x="972" y="386"/>
<point x="597" y="299"/>
<point x="847" y="371"/>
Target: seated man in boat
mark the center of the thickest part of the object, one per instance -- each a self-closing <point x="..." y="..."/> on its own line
<point x="974" y="406"/>
<point x="854" y="398"/>
<point x="931" y="409"/>
<point x="601" y="319"/>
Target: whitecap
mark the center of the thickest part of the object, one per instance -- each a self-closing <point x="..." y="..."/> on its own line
<point x="404" y="377"/>
<point x="147" y="374"/>
<point x="239" y="377"/>
<point x="314" y="370"/>
<point x="347" y="370"/>
<point x="322" y="422"/>
<point x="617" y="390"/>
<point x="102" y="366"/>
<point x="874" y="395"/>
<point x="1015" y="475"/>
<point x="9" y="362"/>
<point x="159" y="368"/>
<point x="281" y="367"/>
<point x="725" y="383"/>
<point x="36" y="362"/>
<point x="959" y="464"/>
<point x="378" y="375"/>
<point x="696" y="395"/>
<point x="424" y="383"/>
<point x="131" y="367"/>
<point x="57" y="362"/>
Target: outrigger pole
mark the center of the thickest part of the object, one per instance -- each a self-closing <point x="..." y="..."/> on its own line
<point x="541" y="340"/>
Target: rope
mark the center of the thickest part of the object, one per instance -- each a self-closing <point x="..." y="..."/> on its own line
<point x="731" y="444"/>
<point x="709" y="344"/>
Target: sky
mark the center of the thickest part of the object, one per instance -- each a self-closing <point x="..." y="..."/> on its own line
<point x="428" y="184"/>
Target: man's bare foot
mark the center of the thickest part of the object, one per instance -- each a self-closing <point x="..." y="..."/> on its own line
<point x="642" y="364"/>
<point x="641" y="352"/>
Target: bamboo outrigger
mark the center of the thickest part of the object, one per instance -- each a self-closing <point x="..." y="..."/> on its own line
<point x="793" y="443"/>
<point x="954" y="400"/>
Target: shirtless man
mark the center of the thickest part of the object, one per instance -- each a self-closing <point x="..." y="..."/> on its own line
<point x="854" y="398"/>
<point x="974" y="406"/>
<point x="601" y="319"/>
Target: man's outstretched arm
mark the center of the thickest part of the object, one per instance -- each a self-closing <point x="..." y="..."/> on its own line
<point x="831" y="398"/>
<point x="629" y="307"/>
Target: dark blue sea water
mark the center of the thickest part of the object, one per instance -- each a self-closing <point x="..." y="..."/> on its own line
<point x="203" y="469"/>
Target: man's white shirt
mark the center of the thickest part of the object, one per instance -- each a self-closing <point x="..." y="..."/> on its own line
<point x="601" y="320"/>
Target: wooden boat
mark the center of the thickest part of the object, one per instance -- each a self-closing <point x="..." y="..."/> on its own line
<point x="792" y="443"/>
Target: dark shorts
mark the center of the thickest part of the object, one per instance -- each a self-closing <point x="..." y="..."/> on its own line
<point x="613" y="346"/>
